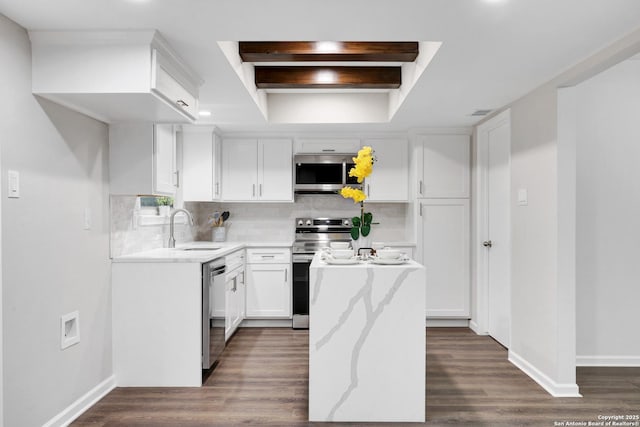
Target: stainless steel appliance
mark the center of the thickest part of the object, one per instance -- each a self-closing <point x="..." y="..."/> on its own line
<point x="212" y="325"/>
<point x="323" y="173"/>
<point x="312" y="234"/>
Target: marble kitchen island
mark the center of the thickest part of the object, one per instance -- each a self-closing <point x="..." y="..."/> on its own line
<point x="367" y="354"/>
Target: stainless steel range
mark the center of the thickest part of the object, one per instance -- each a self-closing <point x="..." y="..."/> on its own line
<point x="312" y="234"/>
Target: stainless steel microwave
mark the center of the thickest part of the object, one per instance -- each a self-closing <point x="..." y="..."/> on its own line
<point x="323" y="173"/>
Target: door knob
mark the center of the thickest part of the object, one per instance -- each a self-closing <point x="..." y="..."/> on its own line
<point x="487" y="243"/>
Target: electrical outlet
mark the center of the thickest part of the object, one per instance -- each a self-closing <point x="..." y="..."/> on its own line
<point x="69" y="329"/>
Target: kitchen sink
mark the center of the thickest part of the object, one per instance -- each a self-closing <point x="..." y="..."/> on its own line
<point x="202" y="248"/>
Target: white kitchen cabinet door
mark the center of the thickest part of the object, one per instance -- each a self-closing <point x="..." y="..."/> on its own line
<point x="200" y="166"/>
<point x="142" y="159"/>
<point x="197" y="166"/>
<point x="389" y="181"/>
<point x="239" y="169"/>
<point x="444" y="251"/>
<point x="268" y="291"/>
<point x="445" y="166"/>
<point x="325" y="146"/>
<point x="241" y="298"/>
<point x="230" y="305"/>
<point x="217" y="167"/>
<point x="275" y="173"/>
<point x="164" y="156"/>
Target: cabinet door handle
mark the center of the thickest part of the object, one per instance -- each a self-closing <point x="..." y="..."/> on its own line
<point x="368" y="191"/>
<point x="181" y="103"/>
<point x="177" y="175"/>
<point x="328" y="150"/>
<point x="217" y="188"/>
<point x="285" y="276"/>
<point x="260" y="187"/>
<point x="253" y="191"/>
<point x="420" y="186"/>
<point x="268" y="256"/>
<point x="420" y="209"/>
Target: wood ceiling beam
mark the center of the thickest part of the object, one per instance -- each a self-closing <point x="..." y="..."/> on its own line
<point x="328" y="51"/>
<point x="328" y="77"/>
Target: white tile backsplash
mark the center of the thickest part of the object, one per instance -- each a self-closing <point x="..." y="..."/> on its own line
<point x="128" y="236"/>
<point x="249" y="222"/>
<point x="276" y="221"/>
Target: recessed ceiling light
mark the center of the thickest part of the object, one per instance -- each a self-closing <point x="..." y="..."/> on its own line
<point x="325" y="77"/>
<point x="204" y="113"/>
<point x="328" y="47"/>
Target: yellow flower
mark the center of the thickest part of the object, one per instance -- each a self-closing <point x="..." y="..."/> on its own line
<point x="363" y="164"/>
<point x="353" y="193"/>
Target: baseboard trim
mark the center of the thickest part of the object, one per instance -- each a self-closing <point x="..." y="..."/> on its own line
<point x="612" y="361"/>
<point x="475" y="328"/>
<point x="77" y="408"/>
<point x="266" y="323"/>
<point x="447" y="323"/>
<point x="553" y="388"/>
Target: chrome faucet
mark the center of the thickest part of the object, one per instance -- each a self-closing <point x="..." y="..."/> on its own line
<point x="172" y="240"/>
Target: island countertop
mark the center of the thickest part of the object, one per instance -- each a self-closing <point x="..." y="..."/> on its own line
<point x="367" y="354"/>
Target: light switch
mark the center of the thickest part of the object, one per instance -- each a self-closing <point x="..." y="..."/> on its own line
<point x="523" y="199"/>
<point x="14" y="184"/>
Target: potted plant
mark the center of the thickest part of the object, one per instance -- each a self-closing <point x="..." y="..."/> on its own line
<point x="164" y="205"/>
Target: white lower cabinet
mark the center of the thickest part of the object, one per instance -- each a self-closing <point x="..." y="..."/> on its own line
<point x="444" y="234"/>
<point x="268" y="283"/>
<point x="234" y="292"/>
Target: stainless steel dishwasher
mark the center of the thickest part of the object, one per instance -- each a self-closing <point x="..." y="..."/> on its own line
<point x="212" y="319"/>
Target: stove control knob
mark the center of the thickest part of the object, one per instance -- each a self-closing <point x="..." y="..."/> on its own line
<point x="300" y="222"/>
<point x="346" y="222"/>
<point x="308" y="222"/>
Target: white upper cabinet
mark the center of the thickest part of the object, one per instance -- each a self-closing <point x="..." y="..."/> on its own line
<point x="275" y="173"/>
<point x="142" y="159"/>
<point x="114" y="76"/>
<point x="239" y="169"/>
<point x="389" y="181"/>
<point x="201" y="151"/>
<point x="444" y="163"/>
<point x="316" y="146"/>
<point x="257" y="170"/>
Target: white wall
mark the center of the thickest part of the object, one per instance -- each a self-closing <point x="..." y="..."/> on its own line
<point x="608" y="220"/>
<point x="543" y="335"/>
<point x="534" y="308"/>
<point x="51" y="266"/>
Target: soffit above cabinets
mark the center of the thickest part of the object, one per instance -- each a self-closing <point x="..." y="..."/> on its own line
<point x="115" y="76"/>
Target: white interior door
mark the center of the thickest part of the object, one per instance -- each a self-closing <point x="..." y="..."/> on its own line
<point x="499" y="224"/>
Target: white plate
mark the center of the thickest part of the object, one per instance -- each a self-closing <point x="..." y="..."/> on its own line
<point x="342" y="261"/>
<point x="389" y="261"/>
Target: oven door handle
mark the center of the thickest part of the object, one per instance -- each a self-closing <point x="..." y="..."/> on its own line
<point x="302" y="258"/>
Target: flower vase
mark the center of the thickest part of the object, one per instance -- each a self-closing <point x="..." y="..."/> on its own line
<point x="362" y="242"/>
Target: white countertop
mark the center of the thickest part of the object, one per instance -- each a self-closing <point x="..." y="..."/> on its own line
<point x="179" y="254"/>
<point x="318" y="262"/>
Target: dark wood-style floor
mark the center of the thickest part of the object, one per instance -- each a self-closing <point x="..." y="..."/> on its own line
<point x="261" y="380"/>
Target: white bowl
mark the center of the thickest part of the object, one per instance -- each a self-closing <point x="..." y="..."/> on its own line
<point x="339" y="245"/>
<point x="342" y="253"/>
<point x="389" y="253"/>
